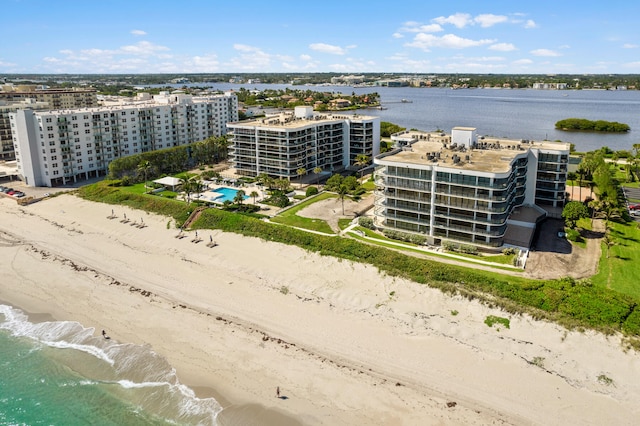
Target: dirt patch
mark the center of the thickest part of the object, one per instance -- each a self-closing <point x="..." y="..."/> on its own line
<point x="330" y="210"/>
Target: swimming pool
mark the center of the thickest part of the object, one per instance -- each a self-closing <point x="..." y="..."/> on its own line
<point x="226" y="194"/>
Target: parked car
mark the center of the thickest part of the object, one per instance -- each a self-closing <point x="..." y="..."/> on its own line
<point x="634" y="207"/>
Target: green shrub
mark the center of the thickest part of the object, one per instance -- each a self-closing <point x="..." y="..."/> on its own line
<point x="573" y="235"/>
<point x="492" y="319"/>
<point x="312" y="190"/>
<point x="366" y="222"/>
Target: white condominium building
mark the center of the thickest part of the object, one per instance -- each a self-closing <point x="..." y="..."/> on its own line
<point x="59" y="147"/>
<point x="486" y="192"/>
<point x="282" y="144"/>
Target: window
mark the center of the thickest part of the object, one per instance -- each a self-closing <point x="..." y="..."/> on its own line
<point x="48" y="120"/>
<point x="87" y="131"/>
<point x="50" y="128"/>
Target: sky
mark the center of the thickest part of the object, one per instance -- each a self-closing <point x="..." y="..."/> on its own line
<point x="346" y="37"/>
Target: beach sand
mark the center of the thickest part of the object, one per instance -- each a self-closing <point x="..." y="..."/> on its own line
<point x="345" y="344"/>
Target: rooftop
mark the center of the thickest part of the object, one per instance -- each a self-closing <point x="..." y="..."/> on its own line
<point x="288" y="120"/>
<point x="490" y="154"/>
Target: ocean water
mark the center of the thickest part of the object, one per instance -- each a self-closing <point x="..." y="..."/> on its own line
<point x="59" y="373"/>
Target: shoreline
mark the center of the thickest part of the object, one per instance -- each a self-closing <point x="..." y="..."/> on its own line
<point x="338" y="344"/>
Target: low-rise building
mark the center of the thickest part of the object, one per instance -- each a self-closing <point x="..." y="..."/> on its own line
<point x="279" y="145"/>
<point x="58" y="147"/>
<point x="483" y="191"/>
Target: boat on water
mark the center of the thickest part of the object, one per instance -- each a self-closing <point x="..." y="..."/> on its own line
<point x="405" y="101"/>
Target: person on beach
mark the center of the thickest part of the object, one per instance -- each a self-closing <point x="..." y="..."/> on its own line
<point x="278" y="392"/>
<point x="104" y="334"/>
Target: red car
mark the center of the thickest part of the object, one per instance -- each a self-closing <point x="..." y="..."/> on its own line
<point x="634" y="207"/>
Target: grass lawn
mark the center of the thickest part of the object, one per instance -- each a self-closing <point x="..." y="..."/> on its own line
<point x="369" y="185"/>
<point x="344" y="223"/>
<point x="289" y="217"/>
<point x="621" y="269"/>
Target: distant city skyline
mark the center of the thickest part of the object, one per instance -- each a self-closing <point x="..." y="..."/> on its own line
<point x="465" y="36"/>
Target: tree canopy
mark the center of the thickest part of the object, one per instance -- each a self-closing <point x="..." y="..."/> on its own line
<point x="592" y="126"/>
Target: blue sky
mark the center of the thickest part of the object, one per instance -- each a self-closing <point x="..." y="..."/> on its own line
<point x="193" y="36"/>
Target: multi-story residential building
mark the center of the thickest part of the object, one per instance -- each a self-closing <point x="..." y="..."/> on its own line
<point x="13" y="98"/>
<point x="6" y="137"/>
<point x="487" y="192"/>
<point x="281" y="144"/>
<point x="56" y="98"/>
<point x="63" y="146"/>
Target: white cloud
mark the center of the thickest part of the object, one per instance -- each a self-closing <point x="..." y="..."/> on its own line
<point x="251" y="59"/>
<point x="144" y="48"/>
<point x="630" y="46"/>
<point x="450" y="41"/>
<point x="503" y="47"/>
<point x="328" y="48"/>
<point x="460" y="20"/>
<point x="522" y="62"/>
<point x="138" y="32"/>
<point x="488" y="20"/>
<point x="305" y="57"/>
<point x="417" y="27"/>
<point x="397" y="35"/>
<point x="635" y="65"/>
<point x="545" y="52"/>
<point x="530" y="24"/>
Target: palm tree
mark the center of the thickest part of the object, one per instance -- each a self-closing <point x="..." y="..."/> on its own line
<point x="301" y="172"/>
<point x="361" y="161"/>
<point x="254" y="195"/>
<point x="342" y="193"/>
<point x="190" y="184"/>
<point x="317" y="170"/>
<point x="144" y="167"/>
<point x="239" y="198"/>
<point x="609" y="242"/>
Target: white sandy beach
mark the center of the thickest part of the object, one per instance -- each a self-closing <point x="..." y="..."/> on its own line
<point x="246" y="316"/>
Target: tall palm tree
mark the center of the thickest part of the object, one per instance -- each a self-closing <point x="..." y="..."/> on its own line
<point x="361" y="161"/>
<point x="190" y="184"/>
<point x="144" y="167"/>
<point x="301" y="172"/>
<point x="254" y="195"/>
<point x="317" y="170"/>
<point x="239" y="198"/>
<point x="342" y="193"/>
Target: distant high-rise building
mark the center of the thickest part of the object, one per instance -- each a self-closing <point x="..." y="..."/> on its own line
<point x="13" y="98"/>
<point x="63" y="146"/>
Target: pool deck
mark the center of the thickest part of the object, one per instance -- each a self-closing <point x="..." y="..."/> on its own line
<point x="212" y="197"/>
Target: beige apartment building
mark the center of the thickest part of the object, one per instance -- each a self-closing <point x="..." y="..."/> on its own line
<point x="487" y="192"/>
